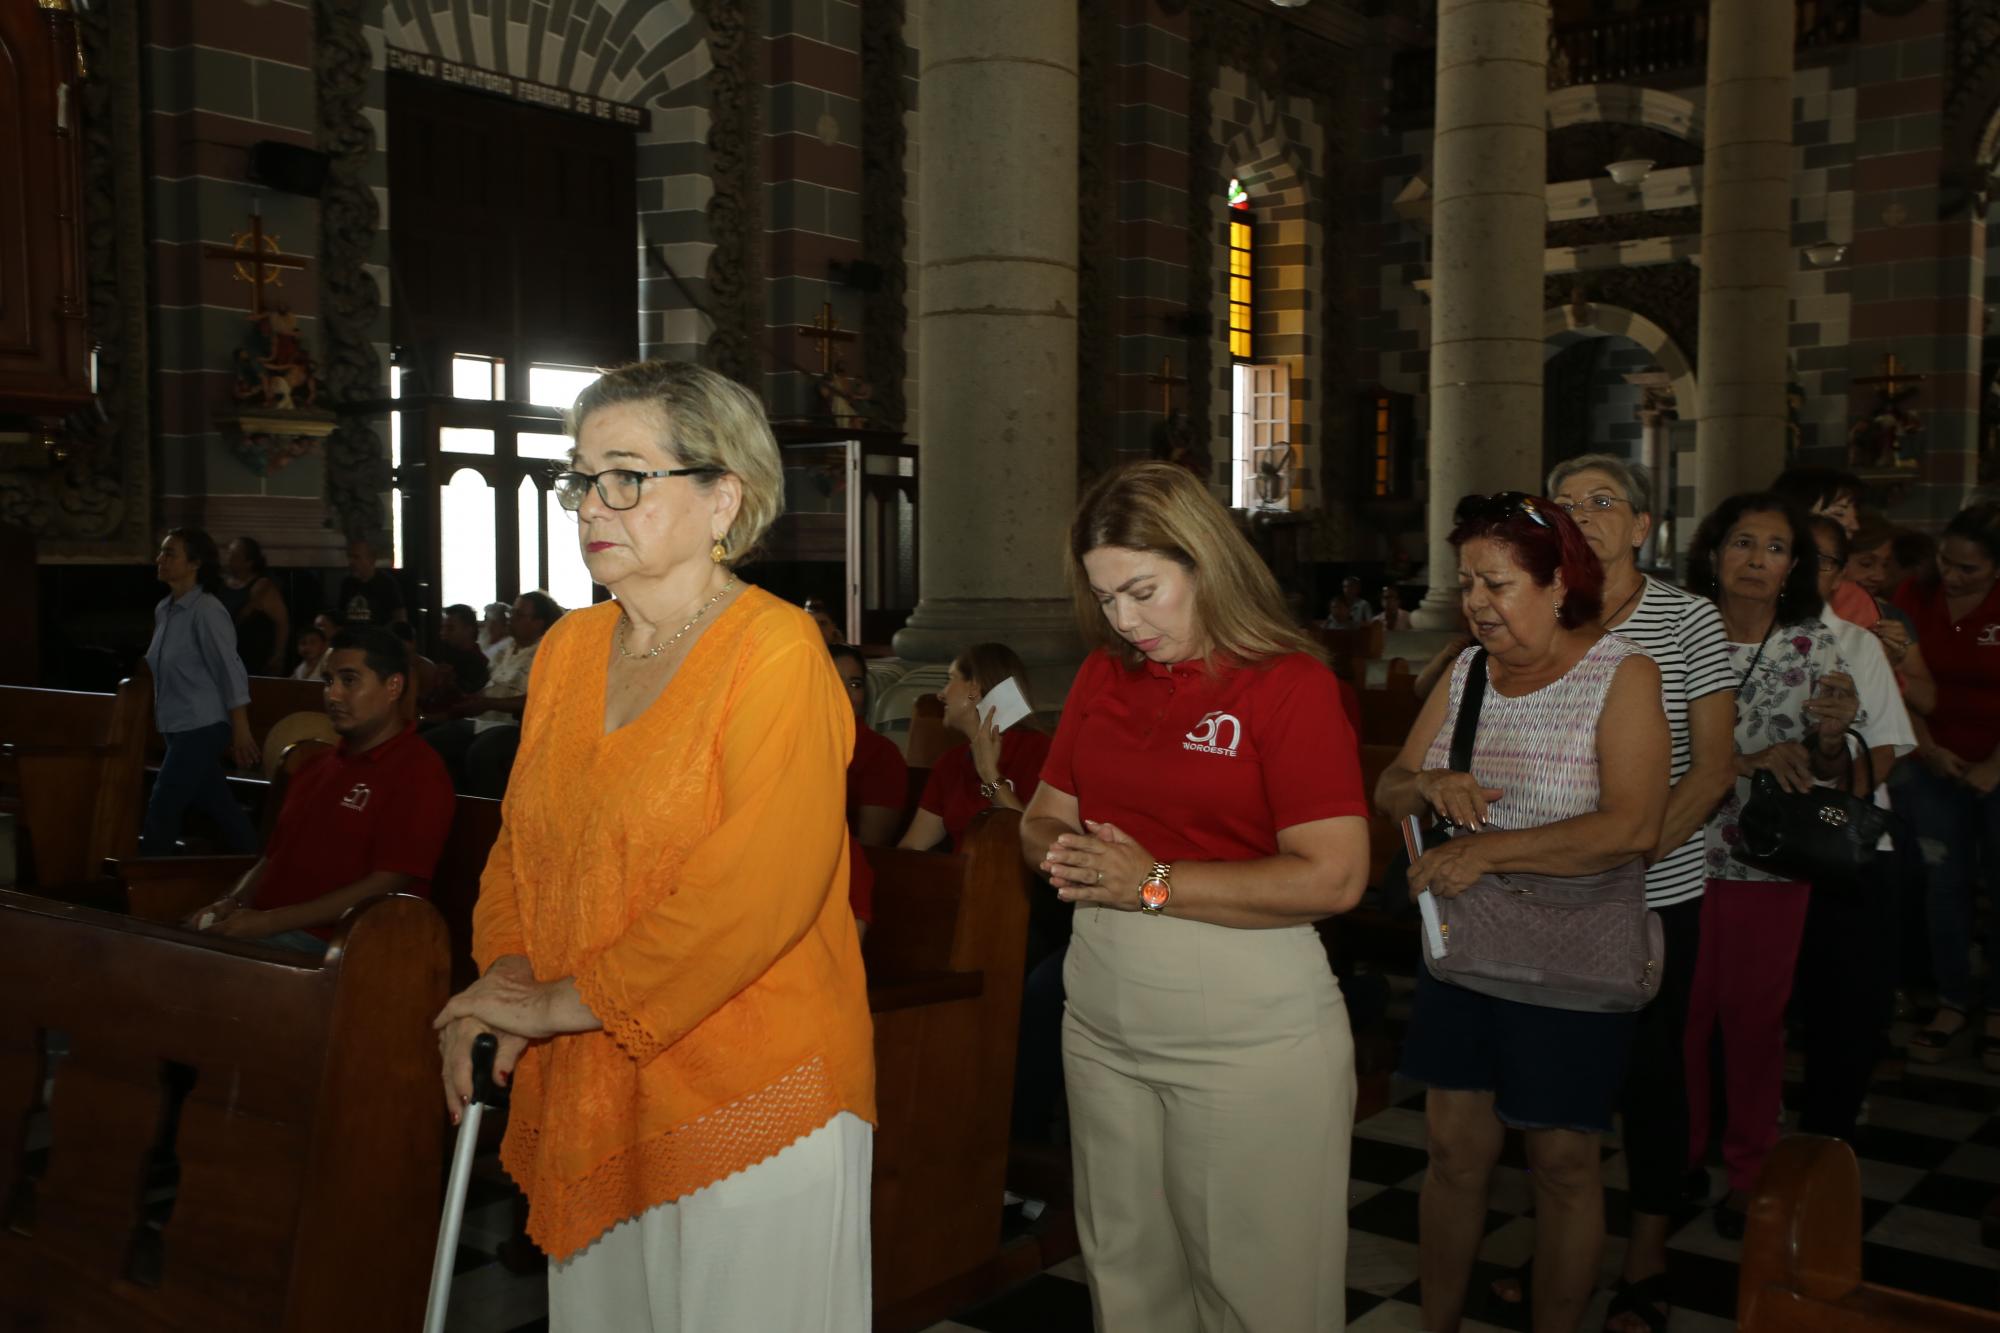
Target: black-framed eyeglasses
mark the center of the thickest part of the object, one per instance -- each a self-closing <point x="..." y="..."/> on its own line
<point x="617" y="487"/>
<point x="1501" y="505"/>
<point x="1829" y="563"/>
<point x="1592" y="504"/>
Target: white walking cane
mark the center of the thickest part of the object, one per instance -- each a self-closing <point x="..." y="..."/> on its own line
<point x="484" y="1094"/>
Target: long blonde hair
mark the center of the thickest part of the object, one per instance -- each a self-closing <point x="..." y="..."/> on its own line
<point x="1162" y="508"/>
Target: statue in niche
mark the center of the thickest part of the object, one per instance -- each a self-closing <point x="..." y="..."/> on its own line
<point x="1882" y="439"/>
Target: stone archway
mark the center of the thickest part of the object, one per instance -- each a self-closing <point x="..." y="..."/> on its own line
<point x="1624" y="104"/>
<point x="1612" y="319"/>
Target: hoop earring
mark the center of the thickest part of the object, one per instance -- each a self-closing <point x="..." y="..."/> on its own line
<point x="718" y="552"/>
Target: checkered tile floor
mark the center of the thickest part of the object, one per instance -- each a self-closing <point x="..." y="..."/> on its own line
<point x="1930" y="1161"/>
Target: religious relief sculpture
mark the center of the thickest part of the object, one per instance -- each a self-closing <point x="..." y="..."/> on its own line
<point x="843" y="393"/>
<point x="1885" y="437"/>
<point x="1174" y="441"/>
<point x="276" y="388"/>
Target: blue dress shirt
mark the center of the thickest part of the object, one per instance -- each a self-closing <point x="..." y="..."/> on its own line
<point x="197" y="676"/>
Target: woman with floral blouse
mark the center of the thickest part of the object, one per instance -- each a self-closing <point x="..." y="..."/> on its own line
<point x="1795" y="700"/>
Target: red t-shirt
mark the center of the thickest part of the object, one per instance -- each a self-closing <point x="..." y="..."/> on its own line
<point x="876" y="775"/>
<point x="1964" y="658"/>
<point x="1201" y="768"/>
<point x="952" y="794"/>
<point x="349" y="815"/>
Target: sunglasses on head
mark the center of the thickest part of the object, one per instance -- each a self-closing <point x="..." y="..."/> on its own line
<point x="1500" y="506"/>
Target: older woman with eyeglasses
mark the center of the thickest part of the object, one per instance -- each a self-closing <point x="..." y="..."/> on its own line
<point x="1610" y="500"/>
<point x="670" y="961"/>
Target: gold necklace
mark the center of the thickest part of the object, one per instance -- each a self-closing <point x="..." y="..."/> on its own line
<point x="625" y="628"/>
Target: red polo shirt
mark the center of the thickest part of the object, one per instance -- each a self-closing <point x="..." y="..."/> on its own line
<point x="876" y="775"/>
<point x="1207" y="768"/>
<point x="1964" y="657"/>
<point x="349" y="815"/>
<point x="952" y="794"/>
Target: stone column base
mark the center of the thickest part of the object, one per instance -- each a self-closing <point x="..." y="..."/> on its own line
<point x="1439" y="610"/>
<point x="1041" y="630"/>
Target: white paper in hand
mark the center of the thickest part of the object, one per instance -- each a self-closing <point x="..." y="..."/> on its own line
<point x="1004" y="704"/>
<point x="1433" y="927"/>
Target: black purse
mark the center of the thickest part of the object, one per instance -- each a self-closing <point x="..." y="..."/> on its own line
<point x="1826" y="836"/>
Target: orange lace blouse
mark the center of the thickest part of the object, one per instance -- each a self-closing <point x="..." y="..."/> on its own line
<point x="690" y="871"/>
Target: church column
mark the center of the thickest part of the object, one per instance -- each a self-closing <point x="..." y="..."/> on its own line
<point x="1488" y="218"/>
<point x="1746" y="252"/>
<point x="997" y="334"/>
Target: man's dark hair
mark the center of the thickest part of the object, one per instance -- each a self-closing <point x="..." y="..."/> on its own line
<point x="385" y="654"/>
<point x="1823" y="526"/>
<point x="201" y="550"/>
<point x="1816" y="487"/>
<point x="1799" y="598"/>
<point x="545" y="606"/>
<point x="462" y="613"/>
<point x="253" y="553"/>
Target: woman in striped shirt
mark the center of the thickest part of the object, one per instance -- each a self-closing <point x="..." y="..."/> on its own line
<point x="1611" y="502"/>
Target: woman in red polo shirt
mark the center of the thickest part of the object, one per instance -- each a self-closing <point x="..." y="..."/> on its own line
<point x="1954" y="791"/>
<point x="1202" y="807"/>
<point x="993" y="767"/>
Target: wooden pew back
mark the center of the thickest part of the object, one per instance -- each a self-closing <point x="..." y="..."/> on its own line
<point x="945" y="959"/>
<point x="929" y="736"/>
<point x="1801" y="1270"/>
<point x="308" y="1145"/>
<point x="475" y="825"/>
<point x="75" y="767"/>
<point x="1390" y="710"/>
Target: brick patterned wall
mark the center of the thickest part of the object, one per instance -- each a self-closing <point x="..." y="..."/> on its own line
<point x="219" y="79"/>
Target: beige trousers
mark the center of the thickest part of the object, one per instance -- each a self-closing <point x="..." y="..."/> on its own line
<point x="779" y="1248"/>
<point x="1211" y="1094"/>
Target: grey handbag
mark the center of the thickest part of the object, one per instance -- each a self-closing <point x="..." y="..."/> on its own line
<point x="1584" y="942"/>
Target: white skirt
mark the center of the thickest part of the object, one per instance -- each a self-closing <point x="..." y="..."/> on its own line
<point x="779" y="1248"/>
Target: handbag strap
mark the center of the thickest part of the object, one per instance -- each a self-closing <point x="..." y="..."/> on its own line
<point x="1466" y="730"/>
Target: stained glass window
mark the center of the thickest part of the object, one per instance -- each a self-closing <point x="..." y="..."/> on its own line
<point x="1241" y="274"/>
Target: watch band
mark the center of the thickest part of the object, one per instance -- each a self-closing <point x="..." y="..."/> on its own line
<point x="990" y="790"/>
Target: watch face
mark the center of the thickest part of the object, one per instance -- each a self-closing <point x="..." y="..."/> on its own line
<point x="1153" y="893"/>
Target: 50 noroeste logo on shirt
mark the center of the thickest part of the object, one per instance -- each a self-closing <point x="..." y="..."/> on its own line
<point x="1210" y="733"/>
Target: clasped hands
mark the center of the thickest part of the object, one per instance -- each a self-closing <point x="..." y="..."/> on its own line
<point x="1102" y="867"/>
<point x="1455" y="865"/>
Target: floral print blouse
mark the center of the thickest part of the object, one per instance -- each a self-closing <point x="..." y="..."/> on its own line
<point x="1770" y="708"/>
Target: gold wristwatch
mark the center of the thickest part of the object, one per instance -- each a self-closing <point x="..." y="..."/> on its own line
<point x="1157" y="888"/>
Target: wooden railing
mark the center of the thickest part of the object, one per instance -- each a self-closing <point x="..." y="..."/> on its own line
<point x="1631" y="48"/>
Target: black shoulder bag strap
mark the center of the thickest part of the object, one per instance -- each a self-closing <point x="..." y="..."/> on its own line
<point x="1466" y="730"/>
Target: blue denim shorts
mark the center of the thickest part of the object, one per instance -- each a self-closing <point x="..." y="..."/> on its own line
<point x="1546" y="1068"/>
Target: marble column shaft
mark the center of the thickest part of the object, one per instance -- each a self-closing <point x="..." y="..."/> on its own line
<point x="1746" y="251"/>
<point x="1488" y="216"/>
<point x="997" y="330"/>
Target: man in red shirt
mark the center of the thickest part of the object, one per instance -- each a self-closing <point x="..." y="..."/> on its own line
<point x="368" y="819"/>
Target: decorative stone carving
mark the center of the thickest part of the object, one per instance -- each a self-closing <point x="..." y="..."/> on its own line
<point x="92" y="498"/>
<point x="885" y="230"/>
<point x="1971" y="108"/>
<point x="357" y="463"/>
<point x="1096" y="253"/>
<point x="735" y="209"/>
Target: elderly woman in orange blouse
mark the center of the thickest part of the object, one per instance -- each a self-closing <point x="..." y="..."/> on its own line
<point x="669" y="959"/>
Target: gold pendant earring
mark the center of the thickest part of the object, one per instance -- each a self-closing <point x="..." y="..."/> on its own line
<point x="718" y="552"/>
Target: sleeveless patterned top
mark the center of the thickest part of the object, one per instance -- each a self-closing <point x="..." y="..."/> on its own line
<point x="1539" y="749"/>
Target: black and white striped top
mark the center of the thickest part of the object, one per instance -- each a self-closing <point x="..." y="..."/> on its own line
<point x="1683" y="634"/>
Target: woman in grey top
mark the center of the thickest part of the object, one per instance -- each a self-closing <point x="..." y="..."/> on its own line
<point x="201" y="698"/>
<point x="1611" y="502"/>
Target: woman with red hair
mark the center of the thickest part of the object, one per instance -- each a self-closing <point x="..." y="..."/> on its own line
<point x="1544" y="795"/>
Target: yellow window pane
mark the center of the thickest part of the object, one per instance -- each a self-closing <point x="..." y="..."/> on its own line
<point x="1239" y="235"/>
<point x="1239" y="263"/>
<point x="1239" y="344"/>
<point x="1239" y="317"/>
<point x="1239" y="290"/>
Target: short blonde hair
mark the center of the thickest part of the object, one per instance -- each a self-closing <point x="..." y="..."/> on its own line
<point x="706" y="420"/>
<point x="1163" y="508"/>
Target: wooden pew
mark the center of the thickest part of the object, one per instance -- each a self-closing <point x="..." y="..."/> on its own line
<point x="308" y="1144"/>
<point x="1390" y="710"/>
<point x="1801" y="1270"/>
<point x="272" y="699"/>
<point x="945" y="959"/>
<point x="73" y="768"/>
<point x="1349" y="647"/>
